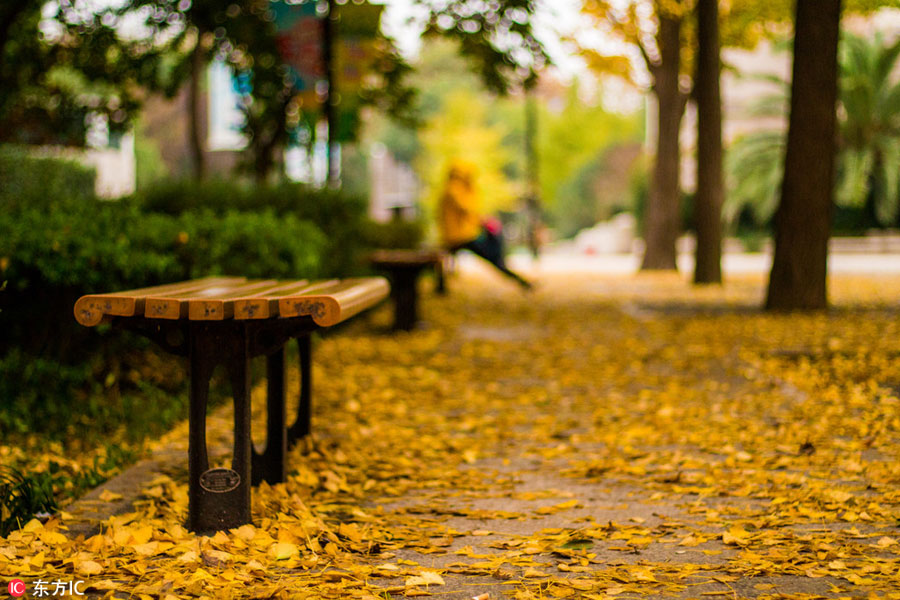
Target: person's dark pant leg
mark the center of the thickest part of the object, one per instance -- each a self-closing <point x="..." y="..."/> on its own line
<point x="492" y="253"/>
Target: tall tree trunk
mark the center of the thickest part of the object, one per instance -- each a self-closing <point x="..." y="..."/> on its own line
<point x="266" y="145"/>
<point x="708" y="199"/>
<point x="195" y="135"/>
<point x="262" y="163"/>
<point x="803" y="221"/>
<point x="662" y="220"/>
<point x="329" y="38"/>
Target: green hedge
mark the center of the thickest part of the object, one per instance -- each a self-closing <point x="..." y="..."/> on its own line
<point x="341" y="216"/>
<point x="26" y="180"/>
<point x="395" y="235"/>
<point x="50" y="256"/>
<point x="59" y="246"/>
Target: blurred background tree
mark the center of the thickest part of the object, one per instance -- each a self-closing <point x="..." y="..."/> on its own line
<point x="497" y="38"/>
<point x="654" y="28"/>
<point x="803" y="220"/>
<point x="869" y="127"/>
<point x="868" y="142"/>
<point x="588" y="147"/>
<point x="61" y="61"/>
<point x="664" y="38"/>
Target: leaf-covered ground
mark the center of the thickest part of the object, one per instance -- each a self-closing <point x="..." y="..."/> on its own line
<point x="600" y="438"/>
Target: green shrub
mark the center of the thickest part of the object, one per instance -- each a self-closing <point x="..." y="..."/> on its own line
<point x="395" y="234"/>
<point x="122" y="389"/>
<point x="261" y="245"/>
<point x="339" y="215"/>
<point x="22" y="496"/>
<point x="51" y="256"/>
<point x="26" y="180"/>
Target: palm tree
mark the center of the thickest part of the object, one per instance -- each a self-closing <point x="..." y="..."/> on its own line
<point x="868" y="167"/>
<point x="869" y="117"/>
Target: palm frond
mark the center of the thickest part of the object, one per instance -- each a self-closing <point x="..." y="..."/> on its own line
<point x="853" y="179"/>
<point x="754" y="166"/>
<point x="886" y="61"/>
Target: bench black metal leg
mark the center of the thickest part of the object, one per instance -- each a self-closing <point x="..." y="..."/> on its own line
<point x="302" y="425"/>
<point x="239" y="370"/>
<point x="219" y="498"/>
<point x="200" y="369"/>
<point x="405" y="298"/>
<point x="269" y="465"/>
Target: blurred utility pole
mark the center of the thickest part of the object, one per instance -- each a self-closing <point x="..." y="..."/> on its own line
<point x="532" y="199"/>
<point x="330" y="107"/>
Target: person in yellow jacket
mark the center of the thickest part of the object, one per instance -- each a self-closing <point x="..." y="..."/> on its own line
<point x="460" y="223"/>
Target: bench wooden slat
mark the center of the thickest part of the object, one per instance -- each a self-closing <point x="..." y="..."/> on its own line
<point x="331" y="304"/>
<point x="222" y="306"/>
<point x="90" y="310"/>
<point x="265" y="305"/>
<point x="327" y="302"/>
<point x="176" y="305"/>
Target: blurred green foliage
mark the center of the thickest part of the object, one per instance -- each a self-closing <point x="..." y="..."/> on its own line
<point x="149" y="165"/>
<point x="58" y="243"/>
<point x="464" y="119"/>
<point x="58" y="62"/>
<point x="339" y="214"/>
<point x="395" y="235"/>
<point x="28" y="180"/>
<point x="598" y="190"/>
<point x="496" y="37"/>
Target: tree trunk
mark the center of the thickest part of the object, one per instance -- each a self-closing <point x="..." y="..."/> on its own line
<point x="262" y="164"/>
<point x="708" y="199"/>
<point x="195" y="136"/>
<point x="803" y="221"/>
<point x="267" y="146"/>
<point x="662" y="222"/>
<point x="331" y="106"/>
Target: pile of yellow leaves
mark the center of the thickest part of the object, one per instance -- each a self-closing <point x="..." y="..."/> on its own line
<point x="601" y="438"/>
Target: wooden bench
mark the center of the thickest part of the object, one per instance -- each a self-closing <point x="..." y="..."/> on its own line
<point x="228" y="321"/>
<point x="403" y="268"/>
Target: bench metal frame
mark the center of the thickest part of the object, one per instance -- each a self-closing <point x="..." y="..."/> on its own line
<point x="403" y="268"/>
<point x="206" y="345"/>
<point x="228" y="321"/>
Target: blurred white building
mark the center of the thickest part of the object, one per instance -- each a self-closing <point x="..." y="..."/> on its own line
<point x="394" y="186"/>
